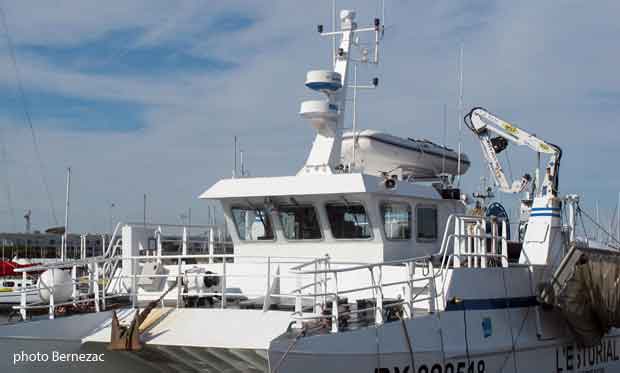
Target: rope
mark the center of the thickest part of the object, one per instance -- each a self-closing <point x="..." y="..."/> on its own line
<point x="26" y="110"/>
<point x="466" y="336"/>
<point x="402" y="321"/>
<point x="515" y="340"/>
<point x="518" y="335"/>
<point x="512" y="336"/>
<point x="290" y="347"/>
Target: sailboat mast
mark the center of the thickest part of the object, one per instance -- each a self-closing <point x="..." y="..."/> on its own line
<point x="63" y="253"/>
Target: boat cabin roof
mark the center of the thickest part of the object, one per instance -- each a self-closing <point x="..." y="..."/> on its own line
<point x="321" y="184"/>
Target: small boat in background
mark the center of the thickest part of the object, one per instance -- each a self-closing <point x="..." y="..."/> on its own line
<point x="11" y="282"/>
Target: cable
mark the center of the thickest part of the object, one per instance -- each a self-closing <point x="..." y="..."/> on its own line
<point x="512" y="337"/>
<point x="580" y="211"/>
<point x="466" y="336"/>
<point x="24" y="102"/>
<point x="288" y="350"/>
<point x="406" y="332"/>
<point x="5" y="175"/>
<point x="527" y="313"/>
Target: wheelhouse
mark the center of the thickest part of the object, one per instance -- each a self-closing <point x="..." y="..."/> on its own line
<point x="358" y="217"/>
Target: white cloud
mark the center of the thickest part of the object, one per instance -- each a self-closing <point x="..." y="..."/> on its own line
<point x="534" y="64"/>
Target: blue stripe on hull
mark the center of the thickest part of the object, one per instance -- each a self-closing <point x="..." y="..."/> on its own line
<point x="546" y="214"/>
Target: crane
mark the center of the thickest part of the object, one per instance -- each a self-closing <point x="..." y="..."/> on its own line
<point x="485" y="125"/>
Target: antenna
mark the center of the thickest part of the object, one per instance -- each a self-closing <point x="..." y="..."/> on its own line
<point x="383" y="14"/>
<point x="334" y="30"/>
<point x="234" y="172"/>
<point x="460" y="115"/>
<point x="327" y="116"/>
<point x="445" y="135"/>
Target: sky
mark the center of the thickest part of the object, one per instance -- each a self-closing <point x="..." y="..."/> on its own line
<point x="145" y="97"/>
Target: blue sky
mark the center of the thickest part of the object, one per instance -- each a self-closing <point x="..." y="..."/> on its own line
<point x="146" y="96"/>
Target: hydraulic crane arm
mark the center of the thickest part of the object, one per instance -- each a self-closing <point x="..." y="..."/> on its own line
<point x="484" y="124"/>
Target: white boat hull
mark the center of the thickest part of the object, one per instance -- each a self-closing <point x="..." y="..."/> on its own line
<point x="14" y="297"/>
<point x="385" y="350"/>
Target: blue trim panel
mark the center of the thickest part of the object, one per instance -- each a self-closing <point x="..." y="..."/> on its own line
<point x="546" y="209"/>
<point x="492" y="304"/>
<point x="546" y="214"/>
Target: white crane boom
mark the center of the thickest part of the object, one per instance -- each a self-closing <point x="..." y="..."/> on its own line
<point x="483" y="124"/>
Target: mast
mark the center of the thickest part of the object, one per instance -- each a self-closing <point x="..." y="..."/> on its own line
<point x="327" y="116"/>
<point x="460" y="115"/>
<point x="334" y="35"/>
<point x="63" y="251"/>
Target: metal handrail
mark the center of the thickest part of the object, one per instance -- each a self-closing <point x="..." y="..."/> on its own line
<point x="95" y="264"/>
<point x="101" y="259"/>
<point x="459" y="224"/>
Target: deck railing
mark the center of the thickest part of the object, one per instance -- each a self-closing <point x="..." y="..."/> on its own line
<point x="465" y="243"/>
<point x="103" y="287"/>
<point x="322" y="281"/>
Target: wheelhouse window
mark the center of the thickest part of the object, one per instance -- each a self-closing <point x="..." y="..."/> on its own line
<point x="253" y="224"/>
<point x="426" y="217"/>
<point x="299" y="222"/>
<point x="396" y="220"/>
<point x="348" y="221"/>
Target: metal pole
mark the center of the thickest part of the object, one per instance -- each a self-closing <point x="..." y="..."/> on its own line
<point x="354" y="114"/>
<point x="189" y="226"/>
<point x="460" y="114"/>
<point x="445" y="135"/>
<point x="242" y="166"/>
<point x="144" y="211"/>
<point x="111" y="206"/>
<point x="22" y="299"/>
<point x="333" y="30"/>
<point x="211" y="243"/>
<point x="63" y="251"/>
<point x="234" y="173"/>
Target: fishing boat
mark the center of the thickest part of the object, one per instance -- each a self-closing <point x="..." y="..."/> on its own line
<point x="367" y="260"/>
